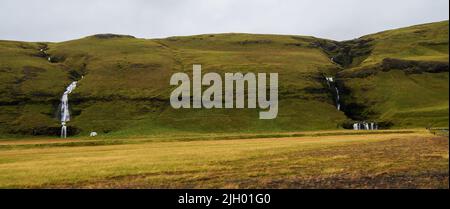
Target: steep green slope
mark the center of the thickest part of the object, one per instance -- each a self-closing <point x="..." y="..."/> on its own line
<point x="124" y="85"/>
<point x="124" y="89"/>
<point x="404" y="80"/>
<point x="29" y="86"/>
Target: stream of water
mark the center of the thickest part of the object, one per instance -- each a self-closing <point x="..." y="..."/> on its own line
<point x="65" y="113"/>
<point x="64" y="107"/>
<point x="331" y="84"/>
<point x="356" y="126"/>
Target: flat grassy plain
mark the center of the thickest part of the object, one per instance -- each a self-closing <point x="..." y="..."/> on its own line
<point x="329" y="159"/>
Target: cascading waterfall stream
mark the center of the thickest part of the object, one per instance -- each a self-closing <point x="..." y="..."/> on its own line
<point x="65" y="113"/>
<point x="356" y="126"/>
<point x="338" y="104"/>
<point x="331" y="84"/>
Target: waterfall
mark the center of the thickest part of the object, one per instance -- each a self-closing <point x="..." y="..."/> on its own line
<point x="338" y="104"/>
<point x="65" y="113"/>
<point x="365" y="126"/>
<point x="331" y="83"/>
<point x="63" y="130"/>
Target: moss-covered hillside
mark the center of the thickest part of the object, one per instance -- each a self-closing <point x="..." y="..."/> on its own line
<point x="397" y="77"/>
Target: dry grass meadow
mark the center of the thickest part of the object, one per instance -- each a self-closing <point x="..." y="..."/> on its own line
<point x="343" y="159"/>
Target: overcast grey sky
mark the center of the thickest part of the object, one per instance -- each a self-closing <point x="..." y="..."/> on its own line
<point x="60" y="20"/>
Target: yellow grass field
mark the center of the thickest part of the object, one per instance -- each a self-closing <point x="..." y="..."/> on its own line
<point x="396" y="159"/>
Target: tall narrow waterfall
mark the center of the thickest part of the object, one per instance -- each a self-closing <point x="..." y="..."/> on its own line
<point x="331" y="84"/>
<point x="65" y="113"/>
<point x="338" y="103"/>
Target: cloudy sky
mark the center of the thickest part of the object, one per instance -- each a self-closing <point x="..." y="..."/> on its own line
<point x="60" y="20"/>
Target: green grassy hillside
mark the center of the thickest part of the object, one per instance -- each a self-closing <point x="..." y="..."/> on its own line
<point x="124" y="86"/>
<point x="404" y="80"/>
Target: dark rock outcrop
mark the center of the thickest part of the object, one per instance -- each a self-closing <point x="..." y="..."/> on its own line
<point x="407" y="66"/>
<point x="110" y="35"/>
